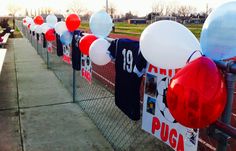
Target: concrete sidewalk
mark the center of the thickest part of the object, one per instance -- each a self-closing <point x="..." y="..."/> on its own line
<point x="36" y="112"/>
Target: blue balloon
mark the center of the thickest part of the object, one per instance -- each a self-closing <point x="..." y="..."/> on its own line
<point x="218" y="37"/>
<point x="101" y="24"/>
<point x="66" y="38"/>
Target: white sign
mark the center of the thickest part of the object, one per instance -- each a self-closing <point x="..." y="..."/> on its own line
<point x="67" y="54"/>
<point x="86" y="68"/>
<point x="40" y="41"/>
<point x="157" y="119"/>
<point x="49" y="47"/>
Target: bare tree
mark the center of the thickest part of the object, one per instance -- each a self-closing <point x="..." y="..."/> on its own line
<point x="158" y="8"/>
<point x="208" y="10"/>
<point x="171" y="8"/>
<point x="111" y="9"/>
<point x="168" y="10"/>
<point x="13" y="9"/>
<point x="47" y="10"/>
<point x="26" y="12"/>
<point x="129" y="15"/>
<point x="86" y="16"/>
<point x="76" y="7"/>
<point x="185" y="11"/>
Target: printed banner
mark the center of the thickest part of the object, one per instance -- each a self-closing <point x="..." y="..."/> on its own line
<point x="67" y="54"/>
<point x="49" y="47"/>
<point x="157" y="120"/>
<point x="86" y="68"/>
<point x="40" y="41"/>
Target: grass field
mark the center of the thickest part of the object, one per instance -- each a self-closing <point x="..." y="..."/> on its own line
<point x="136" y="30"/>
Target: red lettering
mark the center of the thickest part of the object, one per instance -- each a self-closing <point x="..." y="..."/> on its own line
<point x="170" y="73"/>
<point x="156" y="125"/>
<point x="180" y="146"/>
<point x="163" y="71"/>
<point x="49" y="49"/>
<point x="175" y="140"/>
<point x="172" y="138"/>
<point x="151" y="67"/>
<point x="164" y="132"/>
<point x="83" y="72"/>
<point x="87" y="76"/>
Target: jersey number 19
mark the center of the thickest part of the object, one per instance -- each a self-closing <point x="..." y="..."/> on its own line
<point x="128" y="60"/>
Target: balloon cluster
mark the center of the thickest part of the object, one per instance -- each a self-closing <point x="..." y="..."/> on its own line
<point x="38" y="26"/>
<point x="95" y="45"/>
<point x="196" y="95"/>
<point x="51" y="26"/>
<point x="198" y="88"/>
<point x="65" y="29"/>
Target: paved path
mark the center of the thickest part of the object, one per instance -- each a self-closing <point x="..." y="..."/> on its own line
<point x="36" y="112"/>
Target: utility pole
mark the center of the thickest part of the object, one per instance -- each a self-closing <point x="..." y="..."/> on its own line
<point x="107" y="6"/>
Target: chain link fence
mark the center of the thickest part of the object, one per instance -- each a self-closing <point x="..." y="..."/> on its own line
<point x="97" y="100"/>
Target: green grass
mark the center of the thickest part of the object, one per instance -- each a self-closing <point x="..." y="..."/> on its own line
<point x="136" y="30"/>
<point x="17" y="33"/>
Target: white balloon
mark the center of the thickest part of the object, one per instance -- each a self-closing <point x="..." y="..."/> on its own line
<point x="168" y="44"/>
<point x="33" y="27"/>
<point x="25" y="21"/>
<point x="38" y="29"/>
<point x="60" y="27"/>
<point x="45" y="27"/>
<point x="51" y="20"/>
<point x="98" y="52"/>
<point x="101" y="24"/>
<point x="29" y="20"/>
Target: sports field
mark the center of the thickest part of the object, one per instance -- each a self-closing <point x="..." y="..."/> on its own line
<point x="136" y="30"/>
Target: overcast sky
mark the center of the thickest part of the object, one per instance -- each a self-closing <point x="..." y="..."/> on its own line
<point x="139" y="7"/>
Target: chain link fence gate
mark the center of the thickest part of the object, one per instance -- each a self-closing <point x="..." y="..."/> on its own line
<point x="97" y="100"/>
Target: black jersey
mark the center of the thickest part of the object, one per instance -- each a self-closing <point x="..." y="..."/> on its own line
<point x="59" y="46"/>
<point x="37" y="37"/>
<point x="127" y="86"/>
<point x="76" y="53"/>
<point x="141" y="65"/>
<point x="44" y="41"/>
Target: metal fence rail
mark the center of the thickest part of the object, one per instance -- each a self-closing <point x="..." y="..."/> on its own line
<point x="97" y="100"/>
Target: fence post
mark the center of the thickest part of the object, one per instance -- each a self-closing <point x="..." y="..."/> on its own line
<point x="31" y="38"/>
<point x="37" y="48"/>
<point x="226" y="116"/>
<point x="74" y="85"/>
<point x="48" y="62"/>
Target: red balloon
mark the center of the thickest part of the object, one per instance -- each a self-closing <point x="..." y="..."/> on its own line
<point x="38" y="20"/>
<point x="29" y="26"/>
<point x="50" y="35"/>
<point x="86" y="42"/>
<point x="196" y="96"/>
<point x="72" y="22"/>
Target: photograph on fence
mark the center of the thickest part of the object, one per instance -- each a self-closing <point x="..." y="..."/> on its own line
<point x="86" y="68"/>
<point x="157" y="119"/>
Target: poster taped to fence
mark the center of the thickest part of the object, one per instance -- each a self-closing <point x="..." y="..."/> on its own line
<point x="49" y="47"/>
<point x="86" y="68"/>
<point x="157" y="119"/>
<point x="67" y="51"/>
<point x="40" y="39"/>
